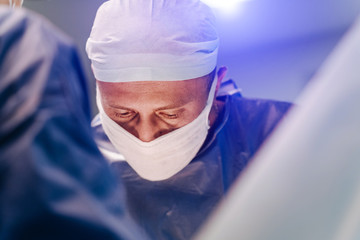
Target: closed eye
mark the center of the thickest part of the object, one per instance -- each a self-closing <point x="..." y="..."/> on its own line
<point x="169" y="115"/>
<point x="124" y="114"/>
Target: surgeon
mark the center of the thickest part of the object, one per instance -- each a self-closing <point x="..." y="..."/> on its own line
<point x="169" y="129"/>
<point x="54" y="182"/>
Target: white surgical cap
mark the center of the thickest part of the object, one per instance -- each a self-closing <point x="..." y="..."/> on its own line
<point x="152" y="40"/>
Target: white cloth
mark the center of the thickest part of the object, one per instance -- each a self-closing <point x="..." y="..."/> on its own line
<point x="305" y="181"/>
<point x="152" y="40"/>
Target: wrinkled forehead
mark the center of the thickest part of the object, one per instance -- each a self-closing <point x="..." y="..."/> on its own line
<point x="145" y="96"/>
<point x="189" y="87"/>
<point x="163" y="92"/>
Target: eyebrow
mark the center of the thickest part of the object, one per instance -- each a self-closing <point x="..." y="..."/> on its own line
<point x="171" y="107"/>
<point x="120" y="107"/>
<point x="168" y="107"/>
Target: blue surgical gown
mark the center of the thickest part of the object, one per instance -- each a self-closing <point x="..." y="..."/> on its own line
<point x="175" y="208"/>
<point x="54" y="182"/>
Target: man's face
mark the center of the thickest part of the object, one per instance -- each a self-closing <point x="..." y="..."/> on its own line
<point x="150" y="109"/>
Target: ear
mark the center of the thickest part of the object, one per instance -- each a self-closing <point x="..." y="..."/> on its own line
<point x="221" y="75"/>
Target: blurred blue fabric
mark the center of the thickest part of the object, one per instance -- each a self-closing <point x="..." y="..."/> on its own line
<point x="304" y="183"/>
<point x="54" y="182"/>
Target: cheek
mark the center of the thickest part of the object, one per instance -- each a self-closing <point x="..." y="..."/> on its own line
<point x="110" y="113"/>
<point x="193" y="111"/>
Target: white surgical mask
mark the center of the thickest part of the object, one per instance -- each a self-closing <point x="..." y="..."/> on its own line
<point x="165" y="156"/>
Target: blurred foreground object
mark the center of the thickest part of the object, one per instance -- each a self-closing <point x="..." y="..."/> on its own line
<point x="305" y="182"/>
<point x="12" y="3"/>
<point x="54" y="182"/>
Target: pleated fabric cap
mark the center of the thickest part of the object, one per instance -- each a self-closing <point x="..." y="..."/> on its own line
<point x="152" y="40"/>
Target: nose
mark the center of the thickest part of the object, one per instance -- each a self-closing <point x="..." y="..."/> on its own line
<point x="146" y="130"/>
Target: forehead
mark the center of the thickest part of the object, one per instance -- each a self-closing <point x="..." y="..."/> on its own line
<point x="171" y="90"/>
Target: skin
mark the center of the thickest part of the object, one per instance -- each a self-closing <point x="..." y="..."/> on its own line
<point x="6" y="2"/>
<point x="150" y="109"/>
